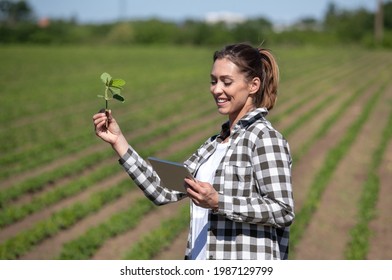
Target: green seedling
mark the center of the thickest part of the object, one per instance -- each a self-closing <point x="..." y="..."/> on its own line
<point x="113" y="89"/>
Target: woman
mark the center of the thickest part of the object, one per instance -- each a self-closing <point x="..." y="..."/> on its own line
<point x="241" y="202"/>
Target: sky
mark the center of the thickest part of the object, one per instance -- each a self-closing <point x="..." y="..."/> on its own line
<point x="277" y="11"/>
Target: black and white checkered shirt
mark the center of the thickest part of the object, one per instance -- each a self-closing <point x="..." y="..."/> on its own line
<point x="256" y="205"/>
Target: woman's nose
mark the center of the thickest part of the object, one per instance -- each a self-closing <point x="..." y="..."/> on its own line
<point x="216" y="89"/>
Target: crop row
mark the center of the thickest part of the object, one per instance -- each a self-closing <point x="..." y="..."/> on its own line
<point x="13" y="213"/>
<point x="16" y="212"/>
<point x="156" y="240"/>
<point x="43" y="152"/>
<point x="37" y="183"/>
<point x="86" y="245"/>
<point x="23" y="241"/>
<point x="359" y="244"/>
<point x="328" y="123"/>
<point x="331" y="161"/>
<point x="36" y="143"/>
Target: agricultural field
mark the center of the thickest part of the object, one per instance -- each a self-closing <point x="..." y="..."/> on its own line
<point x="63" y="194"/>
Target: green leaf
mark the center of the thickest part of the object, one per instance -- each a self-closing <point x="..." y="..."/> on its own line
<point x="115" y="90"/>
<point x="114" y="86"/>
<point x="106" y="78"/>
<point x="119" y="97"/>
<point x="117" y="83"/>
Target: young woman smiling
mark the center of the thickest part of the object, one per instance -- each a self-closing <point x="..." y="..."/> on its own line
<point x="241" y="202"/>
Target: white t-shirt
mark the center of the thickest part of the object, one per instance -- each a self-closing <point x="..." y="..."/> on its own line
<point x="200" y="215"/>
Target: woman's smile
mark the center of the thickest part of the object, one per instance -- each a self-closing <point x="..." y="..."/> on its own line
<point x="222" y="101"/>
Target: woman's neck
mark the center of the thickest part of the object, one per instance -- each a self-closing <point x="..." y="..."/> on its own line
<point x="233" y="119"/>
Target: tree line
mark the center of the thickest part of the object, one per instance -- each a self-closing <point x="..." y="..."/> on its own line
<point x="338" y="26"/>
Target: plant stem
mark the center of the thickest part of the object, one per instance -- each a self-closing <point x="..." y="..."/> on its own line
<point x="107" y="107"/>
<point x="106" y="98"/>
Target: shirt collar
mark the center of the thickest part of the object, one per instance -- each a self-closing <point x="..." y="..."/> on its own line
<point x="245" y="121"/>
<point x="251" y="117"/>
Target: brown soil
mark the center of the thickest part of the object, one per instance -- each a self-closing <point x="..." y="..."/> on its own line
<point x="11" y="230"/>
<point x="380" y="247"/>
<point x="327" y="234"/>
<point x="380" y="242"/>
<point x="51" y="247"/>
<point x="305" y="170"/>
<point x="119" y="245"/>
<point x="176" y="250"/>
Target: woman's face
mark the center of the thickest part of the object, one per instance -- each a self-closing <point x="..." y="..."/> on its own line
<point x="231" y="91"/>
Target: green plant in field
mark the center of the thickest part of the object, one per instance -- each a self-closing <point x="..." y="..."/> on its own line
<point x="152" y="243"/>
<point x="22" y="242"/>
<point x="113" y="89"/>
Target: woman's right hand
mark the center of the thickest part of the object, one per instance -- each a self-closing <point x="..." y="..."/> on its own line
<point x="108" y="130"/>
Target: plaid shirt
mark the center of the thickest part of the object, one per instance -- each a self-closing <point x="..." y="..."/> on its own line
<point x="253" y="180"/>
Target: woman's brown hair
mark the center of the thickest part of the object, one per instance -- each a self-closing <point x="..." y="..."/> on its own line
<point x="255" y="62"/>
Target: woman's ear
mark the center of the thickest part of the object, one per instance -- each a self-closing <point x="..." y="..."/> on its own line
<point x="254" y="85"/>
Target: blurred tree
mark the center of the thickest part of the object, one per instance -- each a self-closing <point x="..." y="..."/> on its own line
<point x="331" y="17"/>
<point x="254" y="31"/>
<point x="349" y="26"/>
<point x="355" y="25"/>
<point x="154" y="31"/>
<point x="379" y="22"/>
<point x="387" y="10"/>
<point x="12" y="12"/>
<point x="337" y="27"/>
<point x="387" y="32"/>
<point x="121" y="33"/>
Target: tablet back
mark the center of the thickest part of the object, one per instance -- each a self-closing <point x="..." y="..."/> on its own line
<point x="172" y="174"/>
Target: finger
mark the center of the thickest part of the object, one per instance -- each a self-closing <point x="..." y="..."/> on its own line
<point x="195" y="202"/>
<point x="188" y="181"/>
<point x="191" y="192"/>
<point x="194" y="199"/>
<point x="99" y="115"/>
<point x="98" y="120"/>
<point x="193" y="183"/>
<point x="194" y="196"/>
<point x="100" y="124"/>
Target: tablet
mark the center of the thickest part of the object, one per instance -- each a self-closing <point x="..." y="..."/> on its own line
<point x="172" y="174"/>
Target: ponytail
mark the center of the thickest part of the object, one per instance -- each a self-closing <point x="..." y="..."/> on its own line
<point x="266" y="97"/>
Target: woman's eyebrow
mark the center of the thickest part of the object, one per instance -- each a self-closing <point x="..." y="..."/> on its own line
<point x="222" y="77"/>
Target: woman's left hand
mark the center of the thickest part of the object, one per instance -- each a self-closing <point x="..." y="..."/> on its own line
<point x="202" y="194"/>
